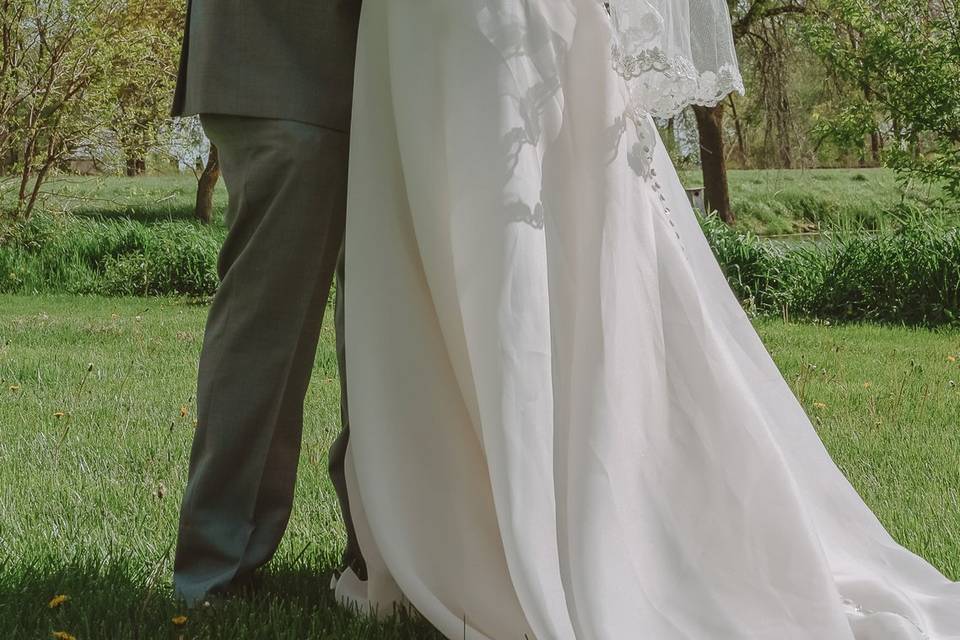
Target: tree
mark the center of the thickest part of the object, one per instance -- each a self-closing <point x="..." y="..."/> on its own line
<point x="713" y="160"/>
<point x="206" y="183"/>
<point x="747" y="16"/>
<point x="52" y="55"/>
<point x="905" y="56"/>
<point x="143" y="74"/>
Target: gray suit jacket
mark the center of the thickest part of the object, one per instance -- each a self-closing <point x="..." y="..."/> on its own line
<point x="290" y="59"/>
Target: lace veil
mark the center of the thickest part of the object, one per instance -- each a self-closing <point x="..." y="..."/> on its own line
<point x="674" y="53"/>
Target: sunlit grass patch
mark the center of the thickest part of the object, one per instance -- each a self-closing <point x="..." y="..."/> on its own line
<point x="97" y="414"/>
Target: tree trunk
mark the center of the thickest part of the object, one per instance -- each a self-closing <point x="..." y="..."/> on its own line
<point x="135" y="166"/>
<point x="713" y="161"/>
<point x="783" y="131"/>
<point x="741" y="144"/>
<point x="672" y="132"/>
<point x="876" y="145"/>
<point x="205" y="186"/>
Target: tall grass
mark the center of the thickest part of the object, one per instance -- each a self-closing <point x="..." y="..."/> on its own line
<point x="71" y="254"/>
<point x="909" y="276"/>
<point x="772" y="202"/>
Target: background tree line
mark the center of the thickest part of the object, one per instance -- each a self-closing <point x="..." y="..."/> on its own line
<point x="87" y="78"/>
<point x="829" y="83"/>
<point x="839" y="83"/>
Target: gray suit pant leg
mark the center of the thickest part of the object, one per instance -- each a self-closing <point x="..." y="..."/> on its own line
<point x="287" y="198"/>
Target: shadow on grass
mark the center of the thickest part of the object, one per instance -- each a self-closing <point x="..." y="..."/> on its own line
<point x="121" y="597"/>
<point x="146" y="214"/>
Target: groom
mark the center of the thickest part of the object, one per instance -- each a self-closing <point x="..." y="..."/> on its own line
<point x="272" y="82"/>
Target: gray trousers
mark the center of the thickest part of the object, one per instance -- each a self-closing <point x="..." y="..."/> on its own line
<point x="286" y="182"/>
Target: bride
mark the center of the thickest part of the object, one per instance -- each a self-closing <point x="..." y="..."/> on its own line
<point x="564" y="425"/>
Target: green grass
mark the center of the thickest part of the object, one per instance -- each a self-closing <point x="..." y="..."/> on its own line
<point x="144" y="198"/>
<point x="89" y="500"/>
<point x="766" y="201"/>
<point x="771" y="202"/>
<point x="910" y="276"/>
<point x="75" y="254"/>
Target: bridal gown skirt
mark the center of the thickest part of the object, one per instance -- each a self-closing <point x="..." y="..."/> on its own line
<point x="563" y="424"/>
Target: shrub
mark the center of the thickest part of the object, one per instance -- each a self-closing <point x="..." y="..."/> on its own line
<point x="909" y="276"/>
<point x="123" y="257"/>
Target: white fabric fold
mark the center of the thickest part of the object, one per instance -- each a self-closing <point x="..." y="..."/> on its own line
<point x="563" y="425"/>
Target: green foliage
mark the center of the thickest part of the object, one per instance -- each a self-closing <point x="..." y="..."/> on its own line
<point x="905" y="56"/>
<point x="142" y="78"/>
<point x="853" y="119"/>
<point x="884" y="254"/>
<point x="911" y="276"/>
<point x="121" y="257"/>
<point x="80" y="77"/>
<point x="53" y="54"/>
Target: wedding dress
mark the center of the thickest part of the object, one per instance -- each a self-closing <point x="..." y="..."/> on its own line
<point x="563" y="424"/>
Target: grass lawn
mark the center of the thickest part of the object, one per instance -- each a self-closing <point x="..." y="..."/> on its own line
<point x="97" y="414"/>
<point x="144" y="198"/>
<point x="766" y="201"/>
<point x="770" y="202"/>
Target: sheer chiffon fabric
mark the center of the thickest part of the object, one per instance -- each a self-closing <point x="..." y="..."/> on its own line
<point x="674" y="53"/>
<point x="563" y="424"/>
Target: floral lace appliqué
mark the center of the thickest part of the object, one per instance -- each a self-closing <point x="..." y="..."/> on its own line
<point x="663" y="85"/>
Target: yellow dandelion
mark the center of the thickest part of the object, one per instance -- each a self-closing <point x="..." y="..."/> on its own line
<point x="59" y="414"/>
<point x="179" y="620"/>
<point x="819" y="405"/>
<point x="951" y="358"/>
<point x="56" y="601"/>
<point x="63" y="635"/>
<point x="184" y="410"/>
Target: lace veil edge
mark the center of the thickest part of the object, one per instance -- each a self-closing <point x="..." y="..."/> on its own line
<point x="674" y="53"/>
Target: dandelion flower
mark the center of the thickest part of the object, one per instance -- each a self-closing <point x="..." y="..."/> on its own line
<point x="951" y="358"/>
<point x="63" y="635"/>
<point x="819" y="405"/>
<point x="179" y="620"/>
<point x="59" y="414"/>
<point x="184" y="411"/>
<point x="56" y="601"/>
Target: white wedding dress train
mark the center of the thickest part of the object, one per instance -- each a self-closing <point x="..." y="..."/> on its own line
<point x="563" y="424"/>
